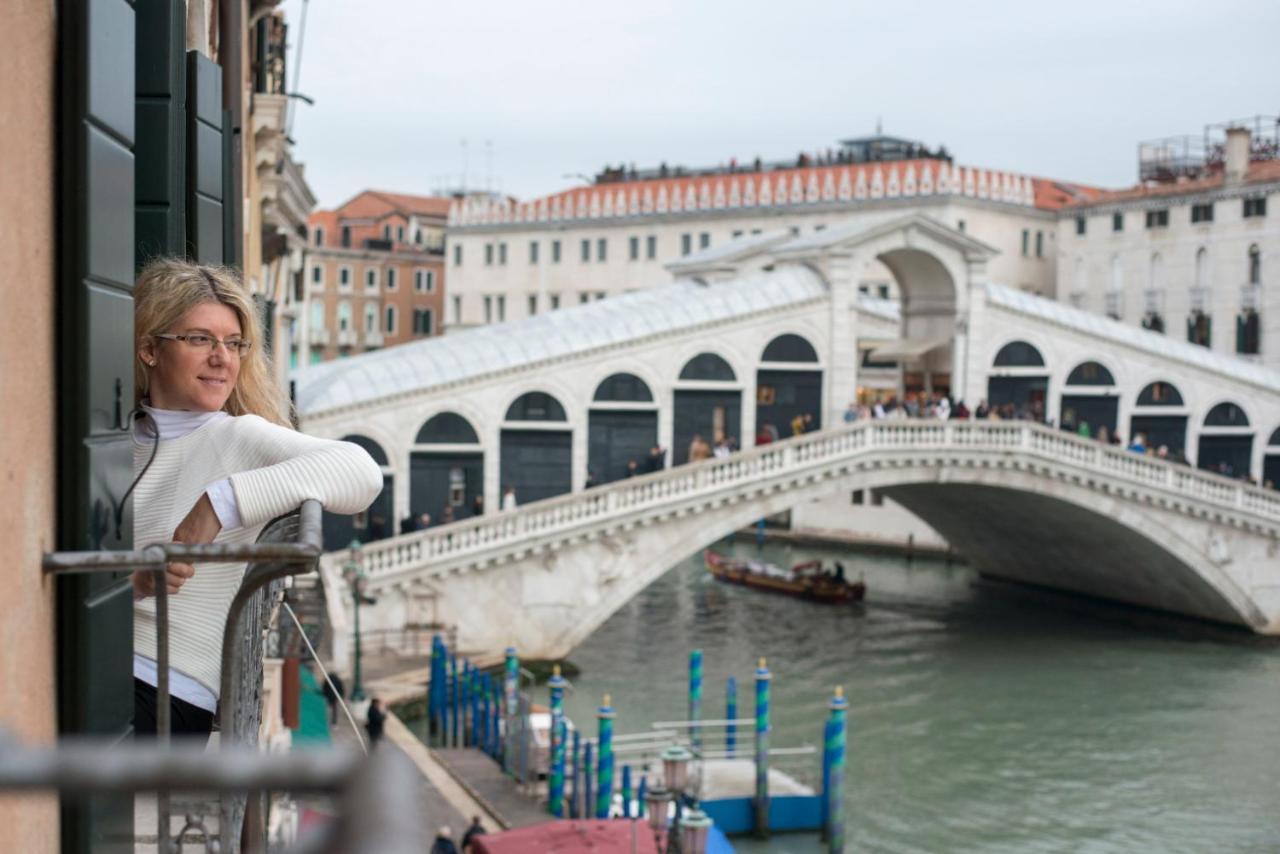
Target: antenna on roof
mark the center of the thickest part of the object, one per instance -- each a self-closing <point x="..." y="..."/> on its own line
<point x="879" y="127"/>
<point x="464" y="165"/>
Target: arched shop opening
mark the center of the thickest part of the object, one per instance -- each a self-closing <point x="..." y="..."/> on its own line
<point x="1271" y="462"/>
<point x="1019" y="380"/>
<point x="1089" y="400"/>
<point x="1161" y="416"/>
<point x="446" y="469"/>
<point x="788" y="384"/>
<point x="1226" y="441"/>
<point x="707" y="403"/>
<point x="536" y="454"/>
<point x="622" y="425"/>
<point x="374" y="523"/>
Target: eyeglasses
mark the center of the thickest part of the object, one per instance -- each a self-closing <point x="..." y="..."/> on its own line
<point x="200" y="341"/>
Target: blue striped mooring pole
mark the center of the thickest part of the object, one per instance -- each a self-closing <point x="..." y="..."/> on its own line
<point x="834" y="794"/>
<point x="555" y="782"/>
<point x="731" y="714"/>
<point x="575" y="796"/>
<point x="762" y="751"/>
<point x="510" y="690"/>
<point x="455" y="699"/>
<point x="588" y="780"/>
<point x="695" y="699"/>
<point x="604" y="788"/>
<point x="626" y="791"/>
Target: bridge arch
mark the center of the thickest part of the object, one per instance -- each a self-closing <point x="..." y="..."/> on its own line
<point x="789" y="385"/>
<point x="1271" y="461"/>
<point x="446" y="470"/>
<point x="622" y="427"/>
<point x="1090" y="399"/>
<point x="1225" y="440"/>
<point x="707" y="402"/>
<point x="1160" y="414"/>
<point x="1018" y="382"/>
<point x="1004" y="518"/>
<point x="535" y="448"/>
<point x="375" y="523"/>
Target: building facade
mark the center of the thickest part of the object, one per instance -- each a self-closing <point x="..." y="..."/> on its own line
<point x="509" y="260"/>
<point x="1191" y="251"/>
<point x="106" y="174"/>
<point x="373" y="276"/>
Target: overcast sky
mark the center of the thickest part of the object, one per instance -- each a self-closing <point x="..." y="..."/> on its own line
<point x="1063" y="90"/>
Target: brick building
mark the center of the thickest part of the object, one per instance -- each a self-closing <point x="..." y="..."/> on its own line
<point x="374" y="275"/>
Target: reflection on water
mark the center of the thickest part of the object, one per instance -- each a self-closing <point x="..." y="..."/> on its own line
<point x="977" y="722"/>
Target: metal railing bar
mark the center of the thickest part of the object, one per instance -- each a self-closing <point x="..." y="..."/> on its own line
<point x="91" y="765"/>
<point x="160" y="555"/>
<point x="666" y="725"/>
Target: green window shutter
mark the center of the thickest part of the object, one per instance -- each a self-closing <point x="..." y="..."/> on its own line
<point x="205" y="184"/>
<point x="160" y="179"/>
<point x="96" y="255"/>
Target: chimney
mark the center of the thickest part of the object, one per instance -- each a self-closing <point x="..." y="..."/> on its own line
<point x="1237" y="154"/>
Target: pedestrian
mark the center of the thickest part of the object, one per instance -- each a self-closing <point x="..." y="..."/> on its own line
<point x="477" y="506"/>
<point x="633" y="468"/>
<point x="476" y="829"/>
<point x="699" y="449"/>
<point x="375" y="719"/>
<point x="797" y="425"/>
<point x="424" y="521"/>
<point x="657" y="458"/>
<point x="1083" y="430"/>
<point x="851" y="413"/>
<point x="444" y="842"/>
<point x="809" y="424"/>
<point x="446" y="515"/>
<point x="409" y="524"/>
<point x="215" y="460"/>
<point x="332" y="694"/>
<point x="509" y="498"/>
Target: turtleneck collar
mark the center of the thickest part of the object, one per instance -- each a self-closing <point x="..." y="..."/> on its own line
<point x="173" y="423"/>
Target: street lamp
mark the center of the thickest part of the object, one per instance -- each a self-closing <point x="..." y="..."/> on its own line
<point x="675" y="768"/>
<point x="655" y="802"/>
<point x="355" y="577"/>
<point x="695" y="826"/>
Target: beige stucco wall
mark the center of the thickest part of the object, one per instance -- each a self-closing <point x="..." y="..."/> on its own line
<point x="27" y="209"/>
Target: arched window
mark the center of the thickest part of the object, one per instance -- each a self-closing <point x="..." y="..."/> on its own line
<point x="447" y="428"/>
<point x="536" y="406"/>
<point x="344" y="316"/>
<point x="1255" y="265"/>
<point x="317" y="315"/>
<point x="1090" y="373"/>
<point x="707" y="366"/>
<point x="1274" y="441"/>
<point x="1019" y="354"/>
<point x="1226" y="415"/>
<point x="370" y="317"/>
<point x="374" y="449"/>
<point x="789" y="348"/>
<point x="623" y="387"/>
<point x="1160" y="394"/>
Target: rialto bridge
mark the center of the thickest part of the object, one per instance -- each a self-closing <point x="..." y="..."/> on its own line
<point x="758" y="331"/>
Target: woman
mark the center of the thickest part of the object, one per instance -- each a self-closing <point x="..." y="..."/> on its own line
<point x="214" y="459"/>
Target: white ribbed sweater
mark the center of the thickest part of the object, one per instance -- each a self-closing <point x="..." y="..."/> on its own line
<point x="272" y="470"/>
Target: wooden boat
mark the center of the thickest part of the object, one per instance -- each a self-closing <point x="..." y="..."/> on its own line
<point x="806" y="580"/>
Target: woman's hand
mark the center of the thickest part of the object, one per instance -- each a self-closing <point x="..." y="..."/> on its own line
<point x="201" y="525"/>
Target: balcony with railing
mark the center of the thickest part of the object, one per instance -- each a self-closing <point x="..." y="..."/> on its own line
<point x="318" y="337"/>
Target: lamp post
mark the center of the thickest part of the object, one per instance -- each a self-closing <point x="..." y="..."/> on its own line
<point x="655" y="802"/>
<point x="355" y="577"/>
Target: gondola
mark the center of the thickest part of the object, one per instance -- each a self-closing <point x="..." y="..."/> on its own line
<point x="806" y="580"/>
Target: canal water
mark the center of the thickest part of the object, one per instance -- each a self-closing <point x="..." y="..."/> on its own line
<point x="979" y="721"/>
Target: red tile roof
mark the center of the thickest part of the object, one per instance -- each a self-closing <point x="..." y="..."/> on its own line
<point x="1261" y="172"/>
<point x="836" y="182"/>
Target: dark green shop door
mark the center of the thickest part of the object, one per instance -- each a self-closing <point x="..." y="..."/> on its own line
<point x="440" y="479"/>
<point x="704" y="413"/>
<point x="614" y="437"/>
<point x="537" y="463"/>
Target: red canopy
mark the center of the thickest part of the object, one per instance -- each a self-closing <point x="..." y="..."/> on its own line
<point x="604" y="836"/>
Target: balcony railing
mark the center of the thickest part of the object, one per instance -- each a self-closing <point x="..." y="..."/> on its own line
<point x="288" y="546"/>
<point x="318" y="337"/>
<point x="373" y="339"/>
<point x="346" y="338"/>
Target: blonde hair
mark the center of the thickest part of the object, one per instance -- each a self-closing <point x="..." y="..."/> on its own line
<point x="170" y="287"/>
